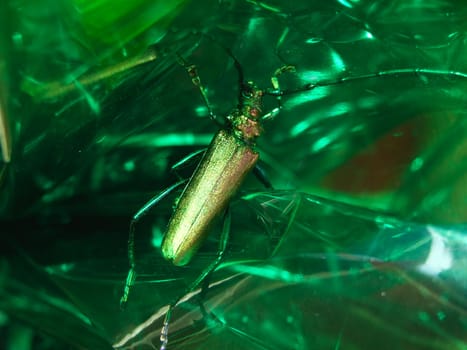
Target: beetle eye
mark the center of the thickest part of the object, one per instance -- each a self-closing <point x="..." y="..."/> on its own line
<point x="247" y="91"/>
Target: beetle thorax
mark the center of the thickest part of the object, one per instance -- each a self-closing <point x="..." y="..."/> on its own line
<point x="244" y="128"/>
<point x="246" y="119"/>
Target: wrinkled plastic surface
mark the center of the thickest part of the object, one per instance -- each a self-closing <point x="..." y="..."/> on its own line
<point x="361" y="245"/>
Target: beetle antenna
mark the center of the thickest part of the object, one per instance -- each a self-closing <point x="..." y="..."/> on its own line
<point x="237" y="63"/>
<point x="238" y="67"/>
<point x="392" y="72"/>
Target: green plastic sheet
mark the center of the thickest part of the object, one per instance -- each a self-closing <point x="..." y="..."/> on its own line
<point x="360" y="245"/>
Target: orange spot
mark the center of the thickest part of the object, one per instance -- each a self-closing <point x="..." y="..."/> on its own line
<point x="380" y="166"/>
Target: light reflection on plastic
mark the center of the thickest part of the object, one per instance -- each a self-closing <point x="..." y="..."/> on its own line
<point x="300" y="127"/>
<point x="157" y="236"/>
<point x="270" y="272"/>
<point x="416" y="164"/>
<point x="440" y="257"/>
<point x="309" y="76"/>
<point x="313" y="40"/>
<point x="345" y="3"/>
<point x="17" y="39"/>
<point x="318" y="93"/>
<point x="253" y="25"/>
<point x="129" y="165"/>
<point x="441" y="315"/>
<point x="92" y="102"/>
<point x="338" y="63"/>
<point x="339" y="109"/>
<point x="384" y="223"/>
<point x="306" y="123"/>
<point x="67" y="267"/>
<point x="201" y="111"/>
<point x="369" y="35"/>
<point x="166" y="140"/>
<point x="320" y="144"/>
<point x="327" y="140"/>
<point x="368" y="102"/>
<point x="314" y="95"/>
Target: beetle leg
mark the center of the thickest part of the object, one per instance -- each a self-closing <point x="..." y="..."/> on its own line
<point x="192" y="71"/>
<point x="224" y="238"/>
<point x="273" y="113"/>
<point x="186" y="159"/>
<point x="131" y="238"/>
<point x="262" y="176"/>
<point x="276" y="90"/>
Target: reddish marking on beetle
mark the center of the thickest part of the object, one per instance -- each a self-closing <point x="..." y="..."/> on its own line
<point x="250" y="129"/>
<point x="254" y="112"/>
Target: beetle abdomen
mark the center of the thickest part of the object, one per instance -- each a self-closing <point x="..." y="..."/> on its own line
<point x="217" y="178"/>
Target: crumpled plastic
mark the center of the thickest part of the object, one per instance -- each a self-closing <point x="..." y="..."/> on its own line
<point x="362" y="241"/>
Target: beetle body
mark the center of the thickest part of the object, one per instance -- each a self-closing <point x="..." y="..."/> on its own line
<point x="222" y="170"/>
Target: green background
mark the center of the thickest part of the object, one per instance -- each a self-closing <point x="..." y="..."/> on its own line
<point x="362" y="243"/>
